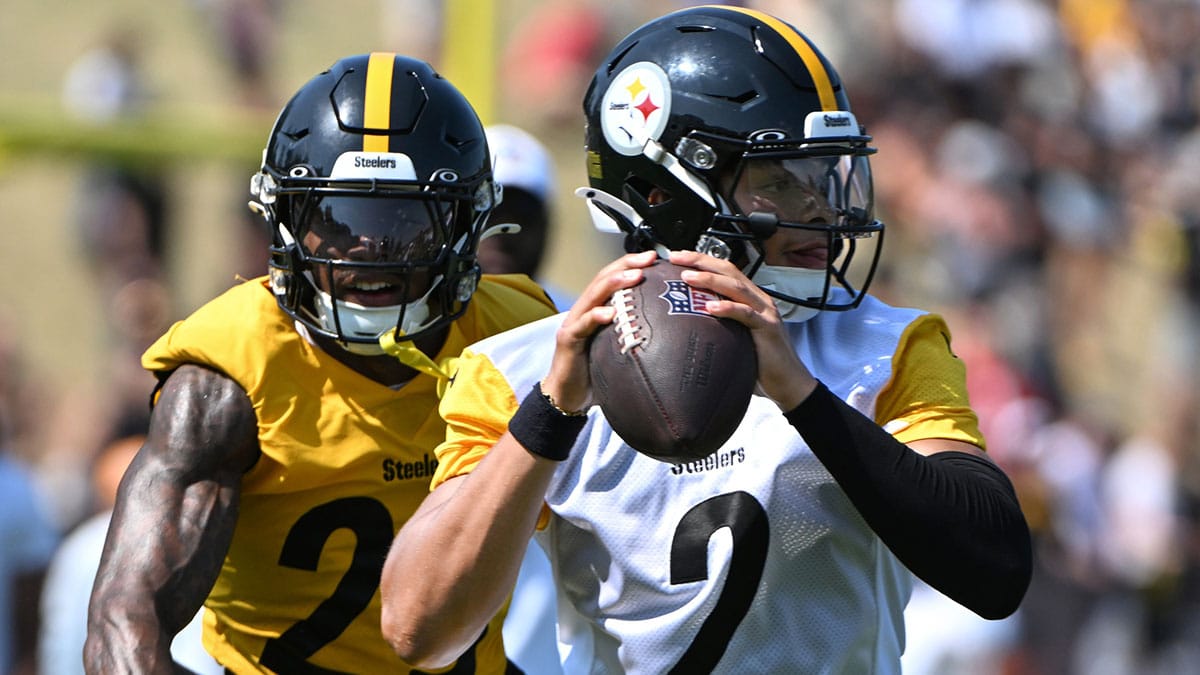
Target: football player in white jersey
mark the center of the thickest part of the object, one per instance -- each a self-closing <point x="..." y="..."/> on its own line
<point x="720" y="137"/>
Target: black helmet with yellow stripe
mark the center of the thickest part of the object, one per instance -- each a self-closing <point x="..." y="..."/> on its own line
<point x="690" y="107"/>
<point x="376" y="181"/>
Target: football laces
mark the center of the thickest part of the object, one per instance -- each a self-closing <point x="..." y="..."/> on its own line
<point x="626" y="321"/>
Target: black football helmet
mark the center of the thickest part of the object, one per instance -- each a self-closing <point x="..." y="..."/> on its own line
<point x="385" y="165"/>
<point x="691" y="105"/>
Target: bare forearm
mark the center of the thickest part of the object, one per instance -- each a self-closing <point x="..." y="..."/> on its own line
<point x="174" y="518"/>
<point x="454" y="563"/>
<point x="158" y="567"/>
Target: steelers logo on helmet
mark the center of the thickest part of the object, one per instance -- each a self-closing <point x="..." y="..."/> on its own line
<point x="636" y="107"/>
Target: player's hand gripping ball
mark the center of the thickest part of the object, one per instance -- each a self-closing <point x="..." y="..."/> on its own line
<point x="673" y="380"/>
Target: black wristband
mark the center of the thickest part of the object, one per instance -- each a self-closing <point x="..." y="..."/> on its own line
<point x="543" y="428"/>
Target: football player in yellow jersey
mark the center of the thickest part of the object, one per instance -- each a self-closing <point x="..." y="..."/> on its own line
<point x="719" y="137"/>
<point x="296" y="414"/>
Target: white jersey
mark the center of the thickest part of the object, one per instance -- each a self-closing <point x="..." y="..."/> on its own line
<point x="751" y="560"/>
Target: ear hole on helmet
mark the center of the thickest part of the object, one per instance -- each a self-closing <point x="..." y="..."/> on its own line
<point x="638" y="190"/>
<point x="658" y="196"/>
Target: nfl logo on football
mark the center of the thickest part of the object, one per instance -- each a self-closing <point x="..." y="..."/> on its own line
<point x="684" y="299"/>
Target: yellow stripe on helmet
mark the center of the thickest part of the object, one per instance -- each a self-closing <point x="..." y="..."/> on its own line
<point x="377" y="103"/>
<point x="816" y="68"/>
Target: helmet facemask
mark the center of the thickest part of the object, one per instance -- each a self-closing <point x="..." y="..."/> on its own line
<point x="355" y="260"/>
<point x="376" y="182"/>
<point x="820" y="185"/>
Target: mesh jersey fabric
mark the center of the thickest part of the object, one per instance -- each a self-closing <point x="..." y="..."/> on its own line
<point x="752" y="560"/>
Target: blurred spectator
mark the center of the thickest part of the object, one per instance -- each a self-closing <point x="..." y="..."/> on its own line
<point x="68" y="584"/>
<point x="27" y="540"/>
<point x="19" y="397"/>
<point x="1058" y="462"/>
<point x="103" y="85"/>
<point x="963" y="38"/>
<point x="245" y="33"/>
<point x="121" y="220"/>
<point x="944" y="638"/>
<point x="415" y="24"/>
<point x="550" y="55"/>
<point x="28" y="533"/>
<point x="524" y="168"/>
<point x="119" y="209"/>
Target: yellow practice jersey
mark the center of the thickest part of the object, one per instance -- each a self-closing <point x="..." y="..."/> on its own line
<point x="345" y="461"/>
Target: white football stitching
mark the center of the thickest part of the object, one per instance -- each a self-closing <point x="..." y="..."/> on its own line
<point x="625" y="320"/>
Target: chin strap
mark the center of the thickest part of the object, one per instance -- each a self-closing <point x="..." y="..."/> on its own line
<point x="408" y="354"/>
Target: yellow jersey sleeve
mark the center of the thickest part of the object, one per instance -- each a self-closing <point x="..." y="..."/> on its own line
<point x="476" y="416"/>
<point x="927" y="394"/>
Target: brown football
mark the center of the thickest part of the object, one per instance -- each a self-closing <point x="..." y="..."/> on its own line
<point x="673" y="380"/>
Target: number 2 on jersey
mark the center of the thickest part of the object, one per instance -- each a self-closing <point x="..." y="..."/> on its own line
<point x="746" y="518"/>
<point x="372" y="526"/>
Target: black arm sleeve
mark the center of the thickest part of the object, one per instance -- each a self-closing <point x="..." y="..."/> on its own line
<point x="952" y="518"/>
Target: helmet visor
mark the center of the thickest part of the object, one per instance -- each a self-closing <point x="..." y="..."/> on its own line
<point x="818" y="192"/>
<point x="395" y="230"/>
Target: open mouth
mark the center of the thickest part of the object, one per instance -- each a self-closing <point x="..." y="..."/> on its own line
<point x="372" y="292"/>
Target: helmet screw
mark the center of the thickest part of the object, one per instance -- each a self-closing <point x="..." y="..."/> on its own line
<point x="698" y="154"/>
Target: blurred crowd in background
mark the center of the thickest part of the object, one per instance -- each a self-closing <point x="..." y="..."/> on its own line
<point x="1039" y="174"/>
